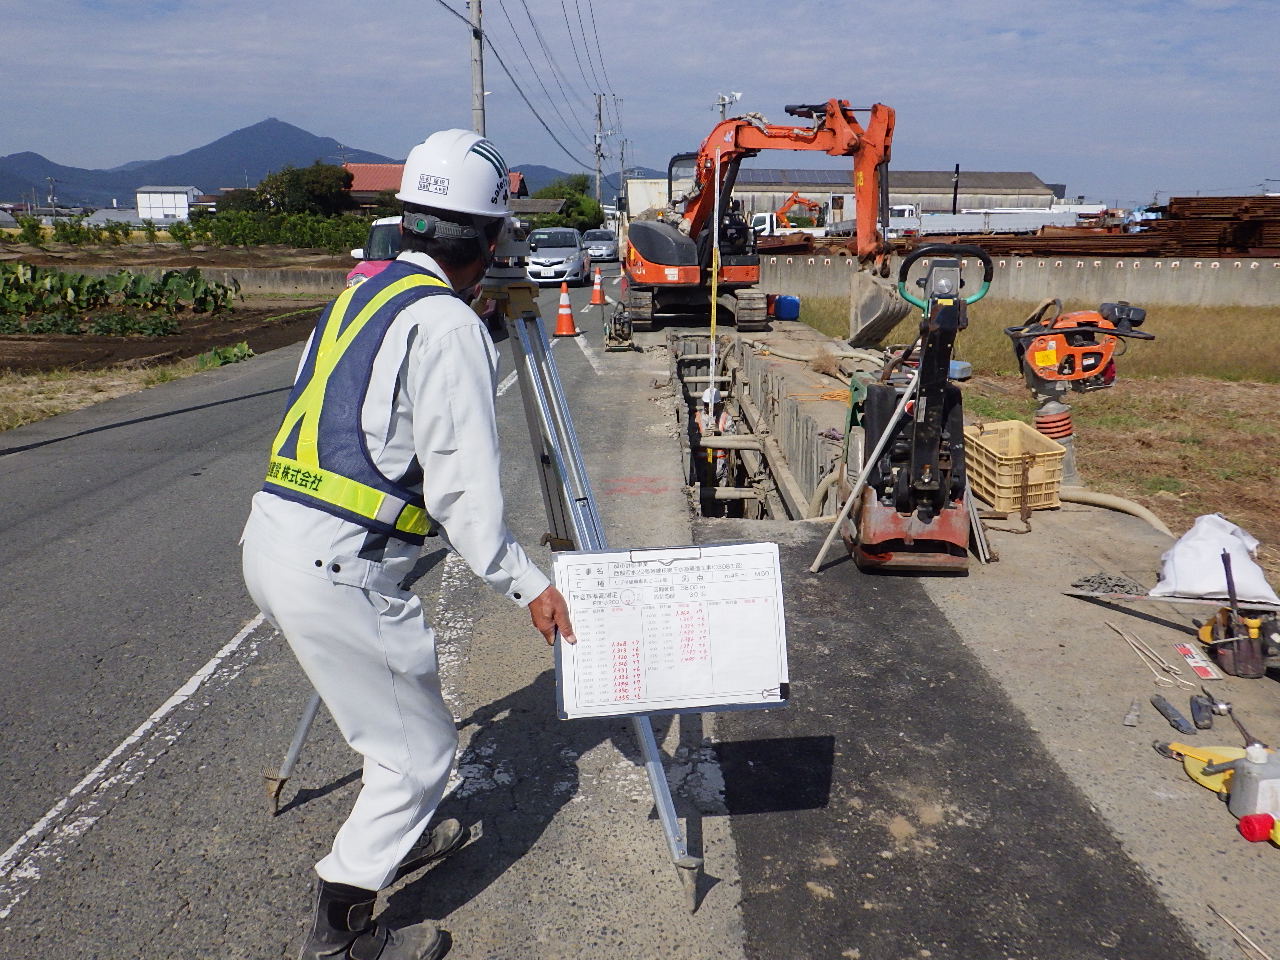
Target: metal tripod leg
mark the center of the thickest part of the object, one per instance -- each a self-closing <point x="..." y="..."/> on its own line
<point x="575" y="521"/>
<point x="276" y="784"/>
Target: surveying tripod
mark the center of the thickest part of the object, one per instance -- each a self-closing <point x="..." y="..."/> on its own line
<point x="572" y="518"/>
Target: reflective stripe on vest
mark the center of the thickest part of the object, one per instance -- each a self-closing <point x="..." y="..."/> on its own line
<point x="348" y="484"/>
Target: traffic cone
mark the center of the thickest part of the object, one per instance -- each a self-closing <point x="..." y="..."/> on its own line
<point x="564" y="316"/>
<point x="597" y="295"/>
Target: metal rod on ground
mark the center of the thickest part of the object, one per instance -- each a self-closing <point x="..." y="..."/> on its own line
<point x="276" y="784"/>
<point x="866" y="470"/>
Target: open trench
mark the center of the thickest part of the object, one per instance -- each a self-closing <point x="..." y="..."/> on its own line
<point x="776" y="448"/>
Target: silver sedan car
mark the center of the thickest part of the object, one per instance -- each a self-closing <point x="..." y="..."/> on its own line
<point x="601" y="244"/>
<point x="556" y="254"/>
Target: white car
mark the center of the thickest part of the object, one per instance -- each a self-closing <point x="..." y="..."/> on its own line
<point x="601" y="244"/>
<point x="557" y="254"/>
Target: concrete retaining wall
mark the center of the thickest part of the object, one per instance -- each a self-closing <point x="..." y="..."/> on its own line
<point x="321" y="284"/>
<point x="1205" y="282"/>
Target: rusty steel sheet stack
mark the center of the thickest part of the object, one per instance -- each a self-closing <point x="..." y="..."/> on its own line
<point x="1191" y="227"/>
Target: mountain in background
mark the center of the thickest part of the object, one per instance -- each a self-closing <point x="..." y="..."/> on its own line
<point x="239" y="158"/>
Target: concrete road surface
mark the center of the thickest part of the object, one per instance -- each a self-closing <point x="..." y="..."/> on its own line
<point x="143" y="700"/>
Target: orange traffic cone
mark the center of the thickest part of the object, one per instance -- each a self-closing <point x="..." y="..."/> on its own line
<point x="564" y="317"/>
<point x="597" y="295"/>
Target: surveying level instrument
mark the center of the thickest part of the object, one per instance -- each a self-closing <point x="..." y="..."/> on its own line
<point x="572" y="517"/>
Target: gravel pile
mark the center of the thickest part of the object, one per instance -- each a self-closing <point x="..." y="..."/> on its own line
<point x="1108" y="583"/>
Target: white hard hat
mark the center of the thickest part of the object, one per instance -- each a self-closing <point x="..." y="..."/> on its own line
<point x="457" y="170"/>
<point x="711" y="396"/>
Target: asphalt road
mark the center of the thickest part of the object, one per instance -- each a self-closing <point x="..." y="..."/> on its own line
<point x="876" y="817"/>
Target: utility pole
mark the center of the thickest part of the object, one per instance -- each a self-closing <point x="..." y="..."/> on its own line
<point x="599" y="139"/>
<point x="477" y="68"/>
<point x="955" y="190"/>
<point x="53" y="195"/>
<point x="622" y="176"/>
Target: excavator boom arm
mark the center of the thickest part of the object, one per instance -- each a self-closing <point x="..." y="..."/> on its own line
<point x="837" y="132"/>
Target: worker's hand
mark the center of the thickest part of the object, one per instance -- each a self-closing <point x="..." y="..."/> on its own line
<point x="549" y="612"/>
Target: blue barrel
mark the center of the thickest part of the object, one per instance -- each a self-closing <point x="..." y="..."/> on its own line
<point x="786" y="307"/>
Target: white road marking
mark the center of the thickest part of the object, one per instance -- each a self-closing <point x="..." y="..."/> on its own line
<point x="590" y="355"/>
<point x="510" y="378"/>
<point x="47" y="840"/>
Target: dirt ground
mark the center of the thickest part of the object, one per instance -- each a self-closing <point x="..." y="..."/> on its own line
<point x="1182" y="446"/>
<point x="263" y="324"/>
<point x="67" y="257"/>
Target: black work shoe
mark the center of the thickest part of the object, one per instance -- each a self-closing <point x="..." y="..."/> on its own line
<point x="445" y="839"/>
<point x="343" y="929"/>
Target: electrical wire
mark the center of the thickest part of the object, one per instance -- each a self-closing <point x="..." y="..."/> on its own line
<point x="554" y="61"/>
<point x="586" y="47"/>
<point x="537" y="116"/>
<point x="574" y="44"/>
<point x="537" y="77"/>
<point x="520" y="90"/>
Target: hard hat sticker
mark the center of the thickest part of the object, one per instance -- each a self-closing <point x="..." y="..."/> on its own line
<point x="430" y="184"/>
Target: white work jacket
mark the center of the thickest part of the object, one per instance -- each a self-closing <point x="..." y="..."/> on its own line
<point x="431" y="393"/>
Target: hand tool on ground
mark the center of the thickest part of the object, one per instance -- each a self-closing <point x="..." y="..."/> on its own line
<point x="1220" y="708"/>
<point x="1173" y="715"/>
<point x="1131" y="718"/>
<point x="1249" y="739"/>
<point x="1201" y="712"/>
<point x="1195" y="759"/>
<point x="1154" y="662"/>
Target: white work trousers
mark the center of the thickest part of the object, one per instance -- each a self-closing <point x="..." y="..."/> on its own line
<point x="372" y="658"/>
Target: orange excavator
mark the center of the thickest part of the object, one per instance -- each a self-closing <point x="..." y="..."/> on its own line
<point x="668" y="266"/>
<point x="795" y="200"/>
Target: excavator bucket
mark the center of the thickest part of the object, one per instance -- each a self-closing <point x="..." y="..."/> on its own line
<point x="876" y="309"/>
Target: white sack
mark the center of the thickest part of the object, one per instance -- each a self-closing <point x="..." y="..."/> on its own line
<point x="1192" y="567"/>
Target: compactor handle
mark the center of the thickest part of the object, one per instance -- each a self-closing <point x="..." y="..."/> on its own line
<point x="941" y="250"/>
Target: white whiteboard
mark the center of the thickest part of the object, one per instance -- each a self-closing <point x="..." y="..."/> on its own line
<point x="671" y="629"/>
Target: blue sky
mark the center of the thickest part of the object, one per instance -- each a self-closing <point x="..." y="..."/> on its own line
<point x="1116" y="99"/>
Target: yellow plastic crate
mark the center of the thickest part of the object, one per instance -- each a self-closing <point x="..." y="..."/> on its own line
<point x="994" y="459"/>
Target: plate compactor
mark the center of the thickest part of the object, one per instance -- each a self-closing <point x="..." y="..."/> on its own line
<point x="913" y="514"/>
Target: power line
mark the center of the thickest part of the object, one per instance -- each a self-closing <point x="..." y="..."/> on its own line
<point x="586" y="47"/>
<point x="599" y="52"/>
<point x="527" y="102"/>
<point x="556" y="71"/>
<point x="502" y="63"/>
<point x="536" y="76"/>
<point x="574" y="44"/>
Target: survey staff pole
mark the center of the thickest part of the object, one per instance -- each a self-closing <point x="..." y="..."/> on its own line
<point x="572" y="517"/>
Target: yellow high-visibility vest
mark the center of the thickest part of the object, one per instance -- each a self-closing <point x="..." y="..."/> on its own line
<point x="319" y="456"/>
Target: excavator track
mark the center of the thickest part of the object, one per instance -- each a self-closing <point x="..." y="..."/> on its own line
<point x="748" y="307"/>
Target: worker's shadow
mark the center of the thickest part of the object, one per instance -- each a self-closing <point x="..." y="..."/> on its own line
<point x="519" y="769"/>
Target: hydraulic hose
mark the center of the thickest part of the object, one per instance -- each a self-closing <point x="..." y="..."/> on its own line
<point x="812" y="512"/>
<point x="1110" y="502"/>
<point x="847" y="353"/>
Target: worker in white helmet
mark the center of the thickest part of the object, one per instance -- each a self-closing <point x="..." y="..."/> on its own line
<point x="389" y="434"/>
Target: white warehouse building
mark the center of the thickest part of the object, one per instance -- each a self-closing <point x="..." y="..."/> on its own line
<point x="165" y="203"/>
